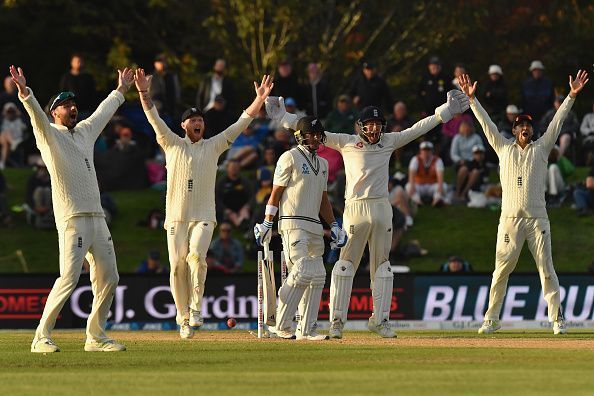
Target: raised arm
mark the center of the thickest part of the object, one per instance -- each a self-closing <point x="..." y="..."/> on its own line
<point x="39" y="119"/>
<point x="165" y="136"/>
<point x="495" y="139"/>
<point x="101" y="116"/>
<point x="552" y="133"/>
<point x="275" y="107"/>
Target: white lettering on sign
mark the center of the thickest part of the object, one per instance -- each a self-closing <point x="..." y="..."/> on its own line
<point x="511" y="302"/>
<point x="149" y="304"/>
<point x="438" y="299"/>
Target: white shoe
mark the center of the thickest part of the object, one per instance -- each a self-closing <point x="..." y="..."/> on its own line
<point x="489" y="327"/>
<point x="287" y="335"/>
<point x="44" y="345"/>
<point x="196" y="319"/>
<point x="383" y="329"/>
<point x="185" y="330"/>
<point x="336" y="329"/>
<point x="104" y="346"/>
<point x="313" y="334"/>
<point x="409" y="221"/>
<point x="559" y="327"/>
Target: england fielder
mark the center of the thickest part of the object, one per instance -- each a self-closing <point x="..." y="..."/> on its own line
<point x="523" y="173"/>
<point x="67" y="149"/>
<point x="368" y="214"/>
<point x="300" y="191"/>
<point x="190" y="205"/>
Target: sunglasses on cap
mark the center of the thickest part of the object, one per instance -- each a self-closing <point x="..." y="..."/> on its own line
<point x="62" y="97"/>
<point x="522" y="119"/>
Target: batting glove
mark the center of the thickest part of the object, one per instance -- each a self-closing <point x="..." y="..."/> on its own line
<point x="263" y="232"/>
<point x="457" y="102"/>
<point x="338" y="235"/>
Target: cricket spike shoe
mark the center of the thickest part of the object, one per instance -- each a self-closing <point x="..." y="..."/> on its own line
<point x="336" y="329"/>
<point x="104" y="346"/>
<point x="287" y="335"/>
<point x="313" y="334"/>
<point x="559" y="327"/>
<point x="44" y="345"/>
<point x="383" y="329"/>
<point x="489" y="327"/>
<point x="185" y="330"/>
<point x="196" y="319"/>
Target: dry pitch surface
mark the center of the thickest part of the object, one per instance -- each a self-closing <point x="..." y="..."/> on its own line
<point x="234" y="362"/>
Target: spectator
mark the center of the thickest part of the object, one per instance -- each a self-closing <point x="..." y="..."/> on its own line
<point x="82" y="84"/>
<point x="584" y="195"/>
<point x="317" y="92"/>
<point x="214" y="84"/>
<point x="476" y="177"/>
<point x="227" y="250"/>
<point x="165" y="89"/>
<point x="433" y="87"/>
<point x="495" y="98"/>
<point x="282" y="141"/>
<point x="425" y="177"/>
<point x="10" y="94"/>
<point x="12" y="129"/>
<point x="245" y="148"/>
<point x="456" y="264"/>
<point x="369" y="89"/>
<point x="587" y="130"/>
<point x="264" y="185"/>
<point x="335" y="163"/>
<point x="234" y="195"/>
<point x="152" y="264"/>
<point x="39" y="198"/>
<point x="342" y="118"/>
<point x="538" y="94"/>
<point x="218" y="118"/>
<point x="506" y="124"/>
<point x="459" y="69"/>
<point x="559" y="169"/>
<point x="399" y="199"/>
<point x="570" y="126"/>
<point x="286" y="84"/>
<point x="5" y="218"/>
<point x="462" y="154"/>
<point x="449" y="130"/>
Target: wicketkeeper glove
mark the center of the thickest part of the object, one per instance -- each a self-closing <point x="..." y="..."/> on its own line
<point x="275" y="107"/>
<point x="263" y="232"/>
<point x="457" y="102"/>
<point x="338" y="235"/>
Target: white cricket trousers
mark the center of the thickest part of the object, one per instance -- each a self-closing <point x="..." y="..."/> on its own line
<point x="77" y="236"/>
<point x="188" y="244"/>
<point x="367" y="221"/>
<point x="511" y="235"/>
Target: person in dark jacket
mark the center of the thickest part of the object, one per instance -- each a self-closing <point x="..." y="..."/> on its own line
<point x="538" y="94"/>
<point x="495" y="96"/>
<point x="369" y="89"/>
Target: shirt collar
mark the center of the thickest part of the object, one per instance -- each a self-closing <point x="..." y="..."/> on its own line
<point x="62" y="128"/>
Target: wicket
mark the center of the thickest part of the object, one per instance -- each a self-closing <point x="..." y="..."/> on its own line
<point x="266" y="255"/>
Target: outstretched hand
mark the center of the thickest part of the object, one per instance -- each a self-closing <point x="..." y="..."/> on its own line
<point x="142" y="81"/>
<point x="577" y="84"/>
<point x="125" y="79"/>
<point x="466" y="85"/>
<point x="18" y="77"/>
<point x="263" y="90"/>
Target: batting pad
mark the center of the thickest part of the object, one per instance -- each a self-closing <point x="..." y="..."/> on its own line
<point x="381" y="291"/>
<point x="310" y="302"/>
<point x="269" y="285"/>
<point x="340" y="289"/>
<point x="291" y="292"/>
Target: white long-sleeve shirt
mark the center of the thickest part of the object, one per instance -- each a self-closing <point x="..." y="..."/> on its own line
<point x="587" y="126"/>
<point x="367" y="165"/>
<point x="523" y="172"/>
<point x="68" y="155"/>
<point x="192" y="169"/>
<point x="305" y="177"/>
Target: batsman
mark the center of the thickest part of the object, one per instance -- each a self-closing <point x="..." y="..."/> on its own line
<point x="300" y="191"/>
<point x="368" y="214"/>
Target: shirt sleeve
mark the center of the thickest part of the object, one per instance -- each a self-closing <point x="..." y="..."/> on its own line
<point x="101" y="116"/>
<point x="495" y="139"/>
<point x="337" y="141"/>
<point x="439" y="165"/>
<point x="420" y="128"/>
<point x="165" y="136"/>
<point x="224" y="139"/>
<point x="39" y="120"/>
<point x="549" y="138"/>
<point x="284" y="169"/>
<point x="414" y="164"/>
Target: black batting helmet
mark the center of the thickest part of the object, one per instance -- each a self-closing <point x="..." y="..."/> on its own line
<point x="371" y="113"/>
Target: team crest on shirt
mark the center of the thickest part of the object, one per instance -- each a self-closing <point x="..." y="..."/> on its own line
<point x="304" y="169"/>
<point x="359" y="145"/>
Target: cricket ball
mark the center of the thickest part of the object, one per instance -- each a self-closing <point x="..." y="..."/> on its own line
<point x="231" y="322"/>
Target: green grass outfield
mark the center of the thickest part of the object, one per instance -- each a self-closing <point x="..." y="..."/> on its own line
<point x="234" y="362"/>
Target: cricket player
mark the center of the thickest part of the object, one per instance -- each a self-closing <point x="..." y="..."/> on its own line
<point x="368" y="214"/>
<point x="300" y="191"/>
<point x="190" y="216"/>
<point x="523" y="173"/>
<point x="67" y="149"/>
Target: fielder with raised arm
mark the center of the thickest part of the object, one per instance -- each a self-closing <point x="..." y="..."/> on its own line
<point x="368" y="214"/>
<point x="300" y="191"/>
<point x="523" y="173"/>
<point x="67" y="149"/>
<point x="190" y="216"/>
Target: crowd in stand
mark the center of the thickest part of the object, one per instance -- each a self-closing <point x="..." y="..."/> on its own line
<point x="127" y="157"/>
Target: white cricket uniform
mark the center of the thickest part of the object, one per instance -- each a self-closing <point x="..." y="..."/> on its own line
<point x="190" y="215"/>
<point x="80" y="220"/>
<point x="304" y="176"/>
<point x="523" y="211"/>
